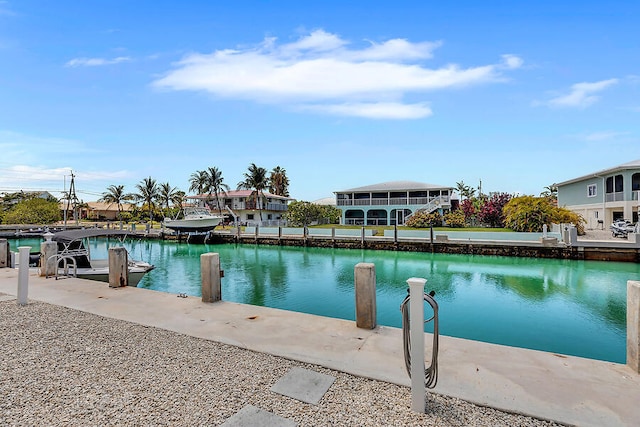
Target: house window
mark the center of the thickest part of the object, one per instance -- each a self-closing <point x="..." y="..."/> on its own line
<point x="619" y="186"/>
<point x="250" y="217"/>
<point x="591" y="190"/>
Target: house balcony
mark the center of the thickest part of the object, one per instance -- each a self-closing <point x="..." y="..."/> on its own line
<point x="393" y="201"/>
<point x="239" y="206"/>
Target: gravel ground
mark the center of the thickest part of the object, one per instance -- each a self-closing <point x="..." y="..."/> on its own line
<point x="61" y="367"/>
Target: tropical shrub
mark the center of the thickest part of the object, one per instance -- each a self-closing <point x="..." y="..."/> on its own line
<point x="491" y="212"/>
<point x="469" y="210"/>
<point x="329" y="214"/>
<point x="423" y="219"/>
<point x="565" y="216"/>
<point x="528" y="213"/>
<point x="33" y="211"/>
<point x="301" y="213"/>
<point x="455" y="219"/>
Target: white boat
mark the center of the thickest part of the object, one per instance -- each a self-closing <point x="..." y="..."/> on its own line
<point x="195" y="220"/>
<point x="74" y="258"/>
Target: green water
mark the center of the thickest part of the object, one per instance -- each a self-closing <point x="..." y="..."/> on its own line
<point x="560" y="306"/>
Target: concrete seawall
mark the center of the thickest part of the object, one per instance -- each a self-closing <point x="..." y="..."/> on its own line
<point x="598" y="251"/>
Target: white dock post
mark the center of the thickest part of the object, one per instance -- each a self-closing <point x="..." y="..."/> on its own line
<point x="23" y="274"/>
<point x="633" y="325"/>
<point x="416" y="332"/>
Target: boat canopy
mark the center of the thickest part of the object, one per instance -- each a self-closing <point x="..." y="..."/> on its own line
<point x="72" y="235"/>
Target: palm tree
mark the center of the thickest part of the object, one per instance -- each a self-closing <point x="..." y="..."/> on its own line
<point x="198" y="182"/>
<point x="465" y="191"/>
<point x="167" y="194"/>
<point x="115" y="194"/>
<point x="148" y="193"/>
<point x="255" y="179"/>
<point x="215" y="185"/>
<point x="279" y="182"/>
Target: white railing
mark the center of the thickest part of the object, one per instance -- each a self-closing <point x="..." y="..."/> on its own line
<point x="615" y="197"/>
<point x="431" y="206"/>
<point x="393" y="201"/>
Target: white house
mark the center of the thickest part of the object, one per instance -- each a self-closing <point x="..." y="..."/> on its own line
<point x="242" y="205"/>
<point x="389" y="203"/>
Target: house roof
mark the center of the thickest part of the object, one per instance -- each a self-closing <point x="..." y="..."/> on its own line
<point x="237" y="193"/>
<point x="102" y="206"/>
<point x="329" y="201"/>
<point x="635" y="164"/>
<point x="397" y="186"/>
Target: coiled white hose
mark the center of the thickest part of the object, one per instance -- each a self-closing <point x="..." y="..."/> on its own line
<point x="430" y="372"/>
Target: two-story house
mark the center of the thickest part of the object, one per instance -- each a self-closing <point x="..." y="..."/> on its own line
<point x="242" y="206"/>
<point x="604" y="196"/>
<point x="390" y="203"/>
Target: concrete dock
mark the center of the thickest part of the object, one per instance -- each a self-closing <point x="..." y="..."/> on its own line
<point x="566" y="389"/>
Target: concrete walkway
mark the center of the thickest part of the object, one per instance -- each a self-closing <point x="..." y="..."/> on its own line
<point x="562" y="388"/>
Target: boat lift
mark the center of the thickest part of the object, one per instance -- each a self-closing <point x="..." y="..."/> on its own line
<point x="412" y="309"/>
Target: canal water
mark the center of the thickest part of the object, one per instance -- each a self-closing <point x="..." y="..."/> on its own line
<point x="567" y="307"/>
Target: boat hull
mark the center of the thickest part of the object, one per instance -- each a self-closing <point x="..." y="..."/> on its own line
<point x="101" y="276"/>
<point x="192" y="225"/>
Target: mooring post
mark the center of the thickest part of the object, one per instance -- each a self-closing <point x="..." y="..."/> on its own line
<point x="5" y="253"/>
<point x="23" y="274"/>
<point x="48" y="251"/>
<point x="633" y="325"/>
<point x="118" y="267"/>
<point x="365" y="284"/>
<point x="416" y="333"/>
<point x="210" y="275"/>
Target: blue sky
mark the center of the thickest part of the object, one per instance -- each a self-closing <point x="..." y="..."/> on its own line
<point x="518" y="95"/>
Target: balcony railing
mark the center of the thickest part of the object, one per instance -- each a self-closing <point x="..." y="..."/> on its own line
<point x="252" y="206"/>
<point x="615" y="197"/>
<point x="393" y="201"/>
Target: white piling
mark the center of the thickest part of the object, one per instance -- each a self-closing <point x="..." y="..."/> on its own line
<point x="23" y="274"/>
<point x="416" y="333"/>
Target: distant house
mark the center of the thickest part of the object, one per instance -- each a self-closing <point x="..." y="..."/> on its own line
<point x="242" y="205"/>
<point x="14" y="198"/>
<point x="105" y="211"/>
<point x="604" y="196"/>
<point x="96" y="210"/>
<point x="390" y="203"/>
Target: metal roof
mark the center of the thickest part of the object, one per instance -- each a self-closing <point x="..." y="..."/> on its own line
<point x="396" y="186"/>
<point x="635" y="164"/>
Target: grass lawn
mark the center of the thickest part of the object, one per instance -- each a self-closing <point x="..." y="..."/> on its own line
<point x="380" y="228"/>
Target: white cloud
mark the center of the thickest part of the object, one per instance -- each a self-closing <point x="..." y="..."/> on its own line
<point x="321" y="72"/>
<point x="33" y="163"/>
<point x="582" y="94"/>
<point x="605" y="136"/>
<point x="95" y="62"/>
<point x="374" y="110"/>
